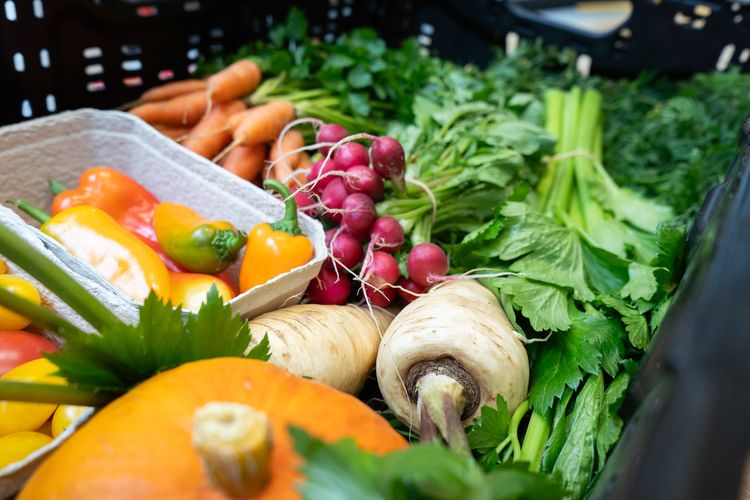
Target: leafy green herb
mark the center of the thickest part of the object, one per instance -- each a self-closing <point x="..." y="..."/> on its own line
<point x="342" y="470"/>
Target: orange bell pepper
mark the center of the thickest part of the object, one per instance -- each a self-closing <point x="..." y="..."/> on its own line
<point x="190" y="290"/>
<point x="116" y="254"/>
<point x="274" y="249"/>
<point x="195" y="243"/>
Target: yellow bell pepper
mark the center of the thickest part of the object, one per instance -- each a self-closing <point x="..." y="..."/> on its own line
<point x="274" y="249"/>
<point x="22" y="288"/>
<point x="197" y="244"/>
<point x="3" y="267"/>
<point x="115" y="253"/>
<point x="190" y="290"/>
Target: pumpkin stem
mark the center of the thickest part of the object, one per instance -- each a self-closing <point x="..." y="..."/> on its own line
<point x="234" y="443"/>
<point x="443" y="399"/>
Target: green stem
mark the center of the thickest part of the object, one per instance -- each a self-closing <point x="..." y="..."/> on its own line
<point x="56" y="187"/>
<point x="31" y="210"/>
<point x="560" y="191"/>
<point x="52" y="394"/>
<point x="56" y="280"/>
<point x="553" y="105"/>
<point x="533" y="442"/>
<point x="288" y="223"/>
<point x="515" y="422"/>
<point x="586" y="141"/>
<point x="38" y="314"/>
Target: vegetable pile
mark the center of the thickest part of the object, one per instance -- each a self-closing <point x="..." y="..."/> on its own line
<point x="503" y="244"/>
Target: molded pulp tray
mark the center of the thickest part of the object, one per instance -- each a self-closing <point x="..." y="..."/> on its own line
<point x="62" y="146"/>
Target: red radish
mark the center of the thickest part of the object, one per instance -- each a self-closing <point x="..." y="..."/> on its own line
<point x="329" y="288"/>
<point x="350" y="155"/>
<point x="427" y="263"/>
<point x="386" y="234"/>
<point x="306" y="203"/>
<point x="408" y="286"/>
<point x="330" y="132"/>
<point x="388" y="158"/>
<point x="358" y="213"/>
<point x="318" y="175"/>
<point x="380" y="272"/>
<point x="344" y="247"/>
<point x="362" y="179"/>
<point x="333" y="198"/>
<point x="360" y="235"/>
<point x="381" y="297"/>
<point x="315" y="170"/>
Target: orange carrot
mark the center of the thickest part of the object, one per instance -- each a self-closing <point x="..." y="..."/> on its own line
<point x="172" y="89"/>
<point x="211" y="134"/>
<point x="186" y="109"/>
<point x="263" y="123"/>
<point x="234" y="81"/>
<point x="245" y="161"/>
<point x="304" y="160"/>
<point x="282" y="170"/>
<point x="171" y="131"/>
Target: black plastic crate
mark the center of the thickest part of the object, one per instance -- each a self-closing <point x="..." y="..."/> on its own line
<point x="687" y="435"/>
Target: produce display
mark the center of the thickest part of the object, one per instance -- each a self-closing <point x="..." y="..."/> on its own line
<point x="503" y="245"/>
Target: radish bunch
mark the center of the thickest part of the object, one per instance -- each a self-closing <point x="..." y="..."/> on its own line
<point x="344" y="185"/>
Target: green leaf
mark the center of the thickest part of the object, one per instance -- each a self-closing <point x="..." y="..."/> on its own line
<point x="610" y="424"/>
<point x="262" y="351"/>
<point x="560" y="428"/>
<point x="605" y="271"/>
<point x="358" y="77"/>
<point x="635" y="323"/>
<point x="296" y="24"/>
<point x="605" y="335"/>
<point x="670" y="241"/>
<point x="515" y="481"/>
<point x="546" y="306"/>
<point x="576" y="461"/>
<point x="358" y="103"/>
<point x="641" y="284"/>
<point x="337" y="60"/>
<point x="488" y="431"/>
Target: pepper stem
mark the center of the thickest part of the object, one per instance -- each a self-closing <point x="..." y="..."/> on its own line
<point x="289" y="223"/>
<point x="31" y="210"/>
<point x="227" y="242"/>
<point x="443" y="398"/>
<point x="56" y="187"/>
<point x="234" y="443"/>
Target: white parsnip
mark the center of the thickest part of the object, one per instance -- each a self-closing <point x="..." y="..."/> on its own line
<point x="452" y="348"/>
<point x="335" y="345"/>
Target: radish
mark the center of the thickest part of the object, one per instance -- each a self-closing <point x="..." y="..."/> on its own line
<point x="386" y="234"/>
<point x="410" y="290"/>
<point x="335" y="345"/>
<point x="446" y="355"/>
<point x="379" y="273"/>
<point x="350" y="155"/>
<point x="318" y="176"/>
<point x="344" y="247"/>
<point x="358" y="213"/>
<point x="388" y="158"/>
<point x="329" y="287"/>
<point x="330" y="132"/>
<point x="362" y="179"/>
<point x="315" y="170"/>
<point x="333" y="199"/>
<point x="427" y="263"/>
<point x="306" y="203"/>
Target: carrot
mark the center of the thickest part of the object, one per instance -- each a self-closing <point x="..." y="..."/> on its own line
<point x="186" y="109"/>
<point x="172" y="131"/>
<point x="234" y="81"/>
<point x="172" y="89"/>
<point x="211" y="134"/>
<point x="283" y="170"/>
<point x="245" y="161"/>
<point x="335" y="345"/>
<point x="304" y="160"/>
<point x="259" y="125"/>
<point x="446" y="355"/>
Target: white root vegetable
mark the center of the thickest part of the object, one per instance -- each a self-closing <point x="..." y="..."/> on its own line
<point x="446" y="355"/>
<point x="335" y="345"/>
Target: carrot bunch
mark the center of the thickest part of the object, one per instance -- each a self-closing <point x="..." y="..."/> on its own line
<point x="211" y="118"/>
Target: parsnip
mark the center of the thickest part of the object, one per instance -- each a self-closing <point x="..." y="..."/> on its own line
<point x="449" y="353"/>
<point x="335" y="345"/>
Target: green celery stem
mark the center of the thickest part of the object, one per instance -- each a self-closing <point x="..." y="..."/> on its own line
<point x="55" y="279"/>
<point x="537" y="433"/>
<point x="52" y="394"/>
<point x="31" y="210"/>
<point x="515" y="422"/>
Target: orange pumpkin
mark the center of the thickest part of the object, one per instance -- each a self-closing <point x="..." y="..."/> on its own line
<point x="140" y="446"/>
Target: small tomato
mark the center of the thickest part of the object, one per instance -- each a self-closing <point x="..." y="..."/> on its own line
<point x="19" y="445"/>
<point x="16" y="348"/>
<point x="64" y="416"/>
<point x="16" y="416"/>
<point x="18" y="286"/>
